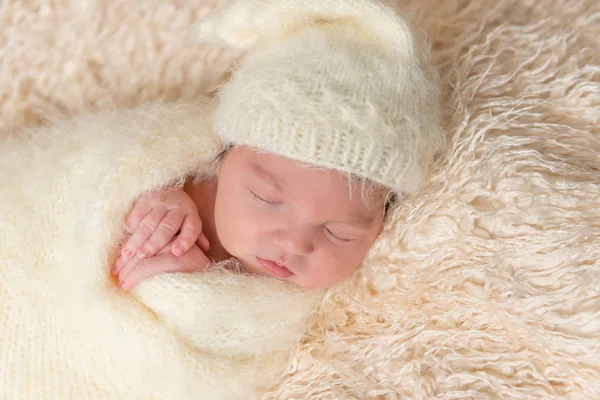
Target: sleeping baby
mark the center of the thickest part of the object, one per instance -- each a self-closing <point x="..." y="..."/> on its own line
<point x="332" y="115"/>
<point x="276" y="216"/>
<point x="323" y="128"/>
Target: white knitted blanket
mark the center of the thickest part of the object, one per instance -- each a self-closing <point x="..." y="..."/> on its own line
<point x="487" y="285"/>
<point x="67" y="332"/>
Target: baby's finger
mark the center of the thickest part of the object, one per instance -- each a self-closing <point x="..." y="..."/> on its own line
<point x="191" y="229"/>
<point x="144" y="231"/>
<point x="137" y="214"/>
<point x="203" y="242"/>
<point x="127" y="267"/>
<point x="146" y="268"/>
<point x="164" y="233"/>
<point x="121" y="261"/>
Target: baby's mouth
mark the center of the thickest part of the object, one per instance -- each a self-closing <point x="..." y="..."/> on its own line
<point x="273" y="268"/>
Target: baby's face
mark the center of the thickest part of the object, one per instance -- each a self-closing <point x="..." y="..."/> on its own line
<point x="298" y="223"/>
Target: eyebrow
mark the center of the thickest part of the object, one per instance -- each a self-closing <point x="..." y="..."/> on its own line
<point x="264" y="174"/>
<point x="361" y="220"/>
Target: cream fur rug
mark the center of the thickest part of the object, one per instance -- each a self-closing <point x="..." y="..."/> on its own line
<point x="485" y="286"/>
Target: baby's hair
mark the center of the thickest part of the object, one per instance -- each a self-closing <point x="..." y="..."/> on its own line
<point x="217" y="160"/>
<point x="368" y="186"/>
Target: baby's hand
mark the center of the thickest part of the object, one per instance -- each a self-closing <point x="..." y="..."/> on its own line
<point x="156" y="218"/>
<point x="138" y="269"/>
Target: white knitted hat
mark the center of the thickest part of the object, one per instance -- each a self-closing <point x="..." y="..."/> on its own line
<point x="342" y="84"/>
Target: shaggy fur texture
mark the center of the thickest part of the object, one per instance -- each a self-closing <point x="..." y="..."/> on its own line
<point x="484" y="286"/>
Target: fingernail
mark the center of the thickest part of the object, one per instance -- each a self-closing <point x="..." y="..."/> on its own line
<point x="178" y="250"/>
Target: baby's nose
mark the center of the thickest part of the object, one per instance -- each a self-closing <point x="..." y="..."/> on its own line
<point x="295" y="241"/>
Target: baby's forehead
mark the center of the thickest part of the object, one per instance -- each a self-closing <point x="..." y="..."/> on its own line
<point x="287" y="174"/>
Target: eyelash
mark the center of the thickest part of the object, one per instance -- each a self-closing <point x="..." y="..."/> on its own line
<point x="328" y="232"/>
<point x="257" y="197"/>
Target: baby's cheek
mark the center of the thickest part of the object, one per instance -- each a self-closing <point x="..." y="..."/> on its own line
<point x="347" y="270"/>
<point x="240" y="236"/>
<point x="348" y="263"/>
<point x="329" y="270"/>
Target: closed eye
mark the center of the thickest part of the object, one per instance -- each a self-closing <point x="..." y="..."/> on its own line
<point x="258" y="198"/>
<point x="336" y="237"/>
